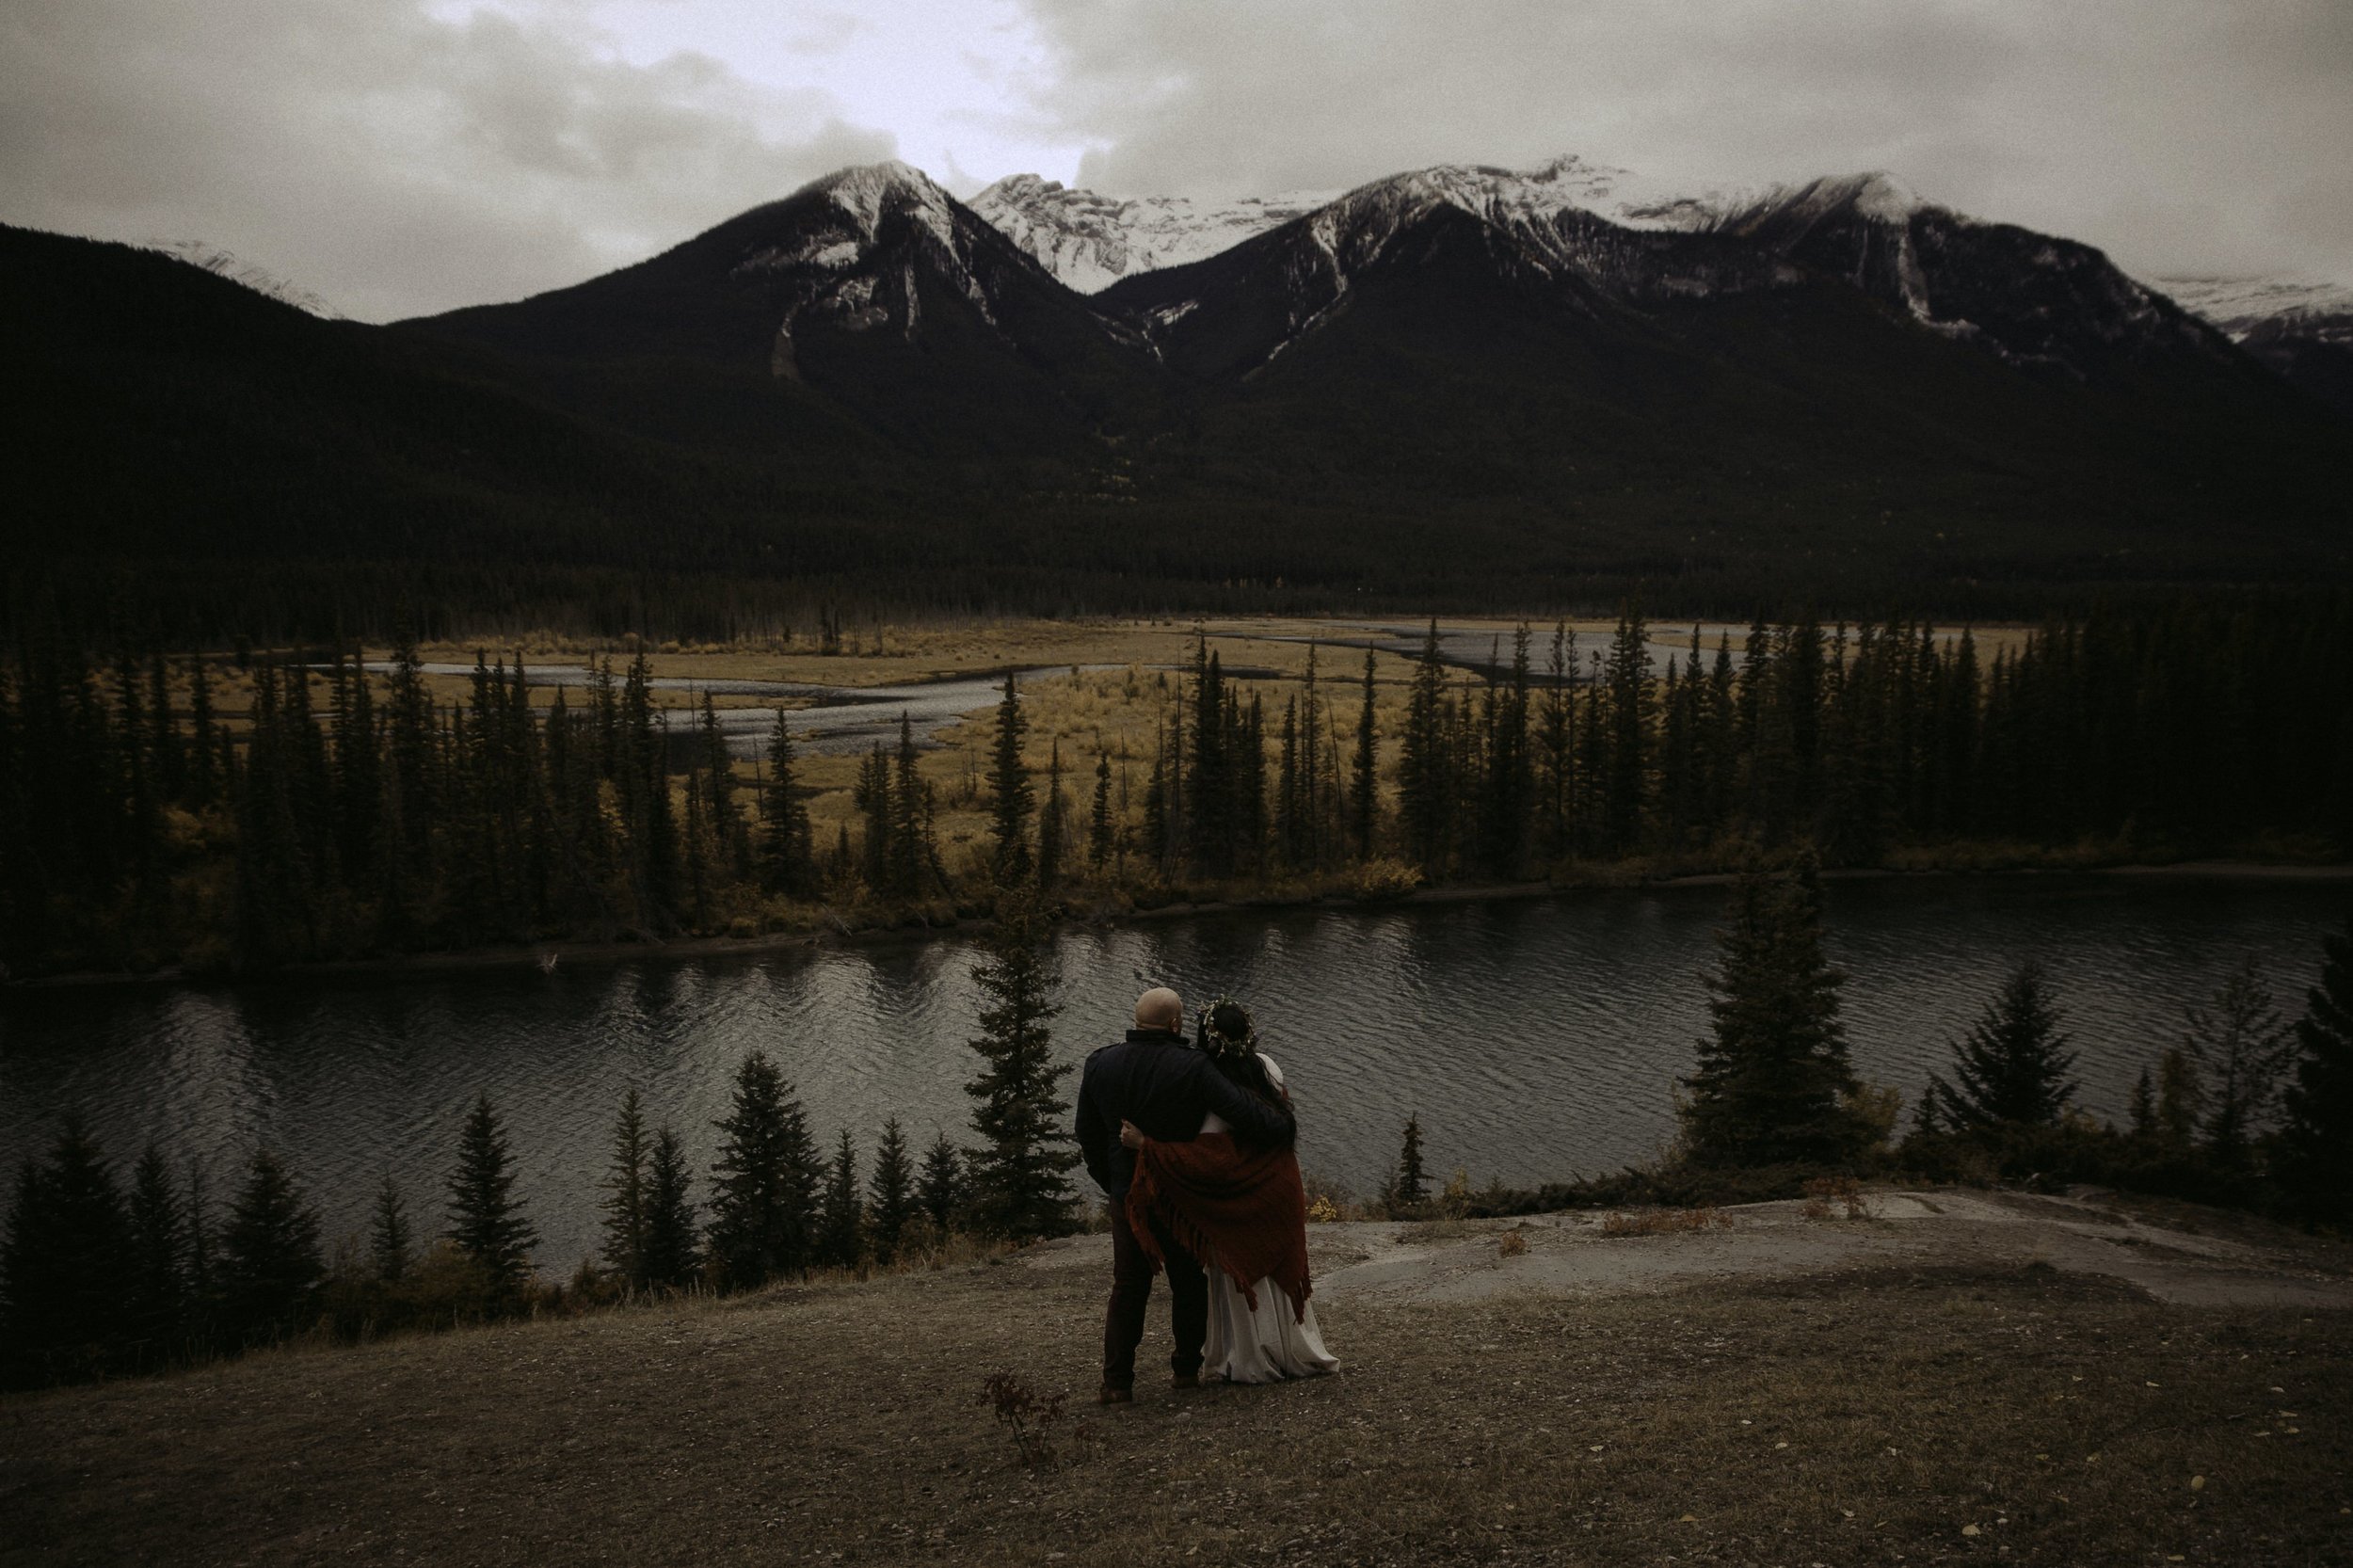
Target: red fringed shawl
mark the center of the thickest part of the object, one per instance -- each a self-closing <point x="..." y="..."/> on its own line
<point x="1233" y="1209"/>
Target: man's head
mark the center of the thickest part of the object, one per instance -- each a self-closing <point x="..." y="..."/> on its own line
<point x="1160" y="1008"/>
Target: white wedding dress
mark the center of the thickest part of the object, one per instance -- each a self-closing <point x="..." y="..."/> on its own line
<point x="1268" y="1344"/>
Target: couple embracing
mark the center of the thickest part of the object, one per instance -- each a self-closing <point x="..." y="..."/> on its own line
<point x="1192" y="1139"/>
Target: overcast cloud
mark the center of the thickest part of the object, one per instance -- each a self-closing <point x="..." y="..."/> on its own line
<point x="400" y="155"/>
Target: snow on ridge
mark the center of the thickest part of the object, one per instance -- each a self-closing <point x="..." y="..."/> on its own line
<point x="2238" y="305"/>
<point x="223" y="263"/>
<point x="1091" y="241"/>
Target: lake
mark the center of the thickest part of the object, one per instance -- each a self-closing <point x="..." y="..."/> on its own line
<point x="1535" y="1038"/>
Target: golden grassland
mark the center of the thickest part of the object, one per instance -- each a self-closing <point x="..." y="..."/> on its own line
<point x="1121" y="682"/>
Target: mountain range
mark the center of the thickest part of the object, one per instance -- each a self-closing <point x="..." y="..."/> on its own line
<point x="1456" y="381"/>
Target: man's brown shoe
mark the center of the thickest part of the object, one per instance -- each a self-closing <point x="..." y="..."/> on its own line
<point x="1115" y="1396"/>
<point x="1185" y="1380"/>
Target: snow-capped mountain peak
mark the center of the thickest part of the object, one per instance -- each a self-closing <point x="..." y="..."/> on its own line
<point x="866" y="192"/>
<point x="1091" y="241"/>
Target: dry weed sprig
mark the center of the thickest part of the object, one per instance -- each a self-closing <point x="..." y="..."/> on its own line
<point x="1663" y="1222"/>
<point x="1027" y="1414"/>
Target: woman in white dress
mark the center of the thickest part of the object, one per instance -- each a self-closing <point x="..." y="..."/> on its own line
<point x="1244" y="1214"/>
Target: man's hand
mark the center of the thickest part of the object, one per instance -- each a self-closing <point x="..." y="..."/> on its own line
<point x="1131" y="1135"/>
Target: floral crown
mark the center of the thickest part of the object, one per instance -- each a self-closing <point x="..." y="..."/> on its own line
<point x="1216" y="1041"/>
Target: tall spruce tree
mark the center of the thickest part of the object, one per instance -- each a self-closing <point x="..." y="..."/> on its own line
<point x="61" y="1266"/>
<point x="1772" y="1078"/>
<point x="1100" y="815"/>
<point x="1053" y="824"/>
<point x="1409" y="1185"/>
<point x="784" y="845"/>
<point x="1010" y="795"/>
<point x="2012" y="1067"/>
<point x="1628" y="783"/>
<point x="1424" y="780"/>
<point x="159" y="1259"/>
<point x="1363" y="787"/>
<point x="391" y="1252"/>
<point x="890" y="1201"/>
<point x="270" y="1268"/>
<point x="672" y="1256"/>
<point x="485" y="1219"/>
<point x="1019" y="1178"/>
<point x="2316" y="1143"/>
<point x="625" y="1204"/>
<point x="2242" y="1048"/>
<point x="912" y="853"/>
<point x="941" y="1191"/>
<point x="765" y="1183"/>
<point x="841" y="1218"/>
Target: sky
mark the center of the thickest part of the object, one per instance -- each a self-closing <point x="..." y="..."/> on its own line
<point x="404" y="156"/>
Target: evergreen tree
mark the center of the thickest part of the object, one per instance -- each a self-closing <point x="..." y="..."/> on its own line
<point x="1556" y="745"/>
<point x="2181" y="1097"/>
<point x="1773" y="1074"/>
<point x="485" y="1218"/>
<point x="62" y="1296"/>
<point x="941" y="1191"/>
<point x="391" y="1252"/>
<point x="2140" y="1111"/>
<point x="891" y="1196"/>
<point x="1100" y="817"/>
<point x="784" y="849"/>
<point x="159" y="1257"/>
<point x="1019" y="1181"/>
<point x="671" y="1256"/>
<point x="1008" y="791"/>
<point x="1409" y="1186"/>
<point x="1364" y="797"/>
<point x="1052" y="823"/>
<point x="2316" y="1144"/>
<point x="727" y="822"/>
<point x="1628" y="783"/>
<point x="1159" y="842"/>
<point x="763" y="1185"/>
<point x="2242" y="1048"/>
<point x="625" y="1193"/>
<point x="913" y="856"/>
<point x="872" y="796"/>
<point x="1209" y="786"/>
<point x="841" y="1227"/>
<point x="2011" y="1068"/>
<point x="270" y="1268"/>
<point x="1423" y="780"/>
<point x="1509" y="784"/>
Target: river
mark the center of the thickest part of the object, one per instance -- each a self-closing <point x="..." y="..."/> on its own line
<point x="1535" y="1037"/>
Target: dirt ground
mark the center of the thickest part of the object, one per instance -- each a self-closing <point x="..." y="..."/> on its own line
<point x="1959" y="1376"/>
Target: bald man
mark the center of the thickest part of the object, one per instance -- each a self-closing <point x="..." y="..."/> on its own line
<point x="1157" y="1080"/>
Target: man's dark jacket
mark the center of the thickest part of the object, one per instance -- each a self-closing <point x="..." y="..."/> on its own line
<point x="1164" y="1085"/>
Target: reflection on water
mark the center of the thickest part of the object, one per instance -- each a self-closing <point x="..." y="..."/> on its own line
<point x="1534" y="1038"/>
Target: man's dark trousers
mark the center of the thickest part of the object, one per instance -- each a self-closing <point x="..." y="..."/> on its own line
<point x="1131" y="1289"/>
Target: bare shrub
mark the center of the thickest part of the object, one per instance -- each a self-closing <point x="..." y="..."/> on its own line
<point x="1028" y="1414"/>
<point x="1514" y="1244"/>
<point x="1843" y="1190"/>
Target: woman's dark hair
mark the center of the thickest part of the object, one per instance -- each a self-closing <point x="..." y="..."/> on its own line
<point x="1228" y="1035"/>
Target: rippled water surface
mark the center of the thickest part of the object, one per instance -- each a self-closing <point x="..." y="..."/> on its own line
<point x="1534" y="1038"/>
